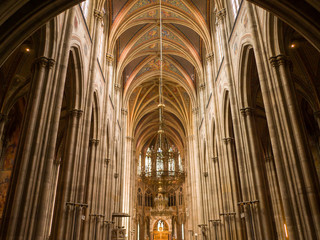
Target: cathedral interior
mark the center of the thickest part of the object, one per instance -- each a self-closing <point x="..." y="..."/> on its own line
<point x="160" y="120"/>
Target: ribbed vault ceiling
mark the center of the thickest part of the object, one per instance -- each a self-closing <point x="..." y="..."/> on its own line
<point x="135" y="33"/>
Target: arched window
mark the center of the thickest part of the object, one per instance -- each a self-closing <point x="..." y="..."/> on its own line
<point x="139" y="195"/>
<point x="148" y="199"/>
<point x="172" y="199"/>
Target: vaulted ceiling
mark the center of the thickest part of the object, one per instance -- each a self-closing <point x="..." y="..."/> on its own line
<point x="135" y="33"/>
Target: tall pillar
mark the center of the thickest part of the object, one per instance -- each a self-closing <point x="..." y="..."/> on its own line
<point x="300" y="155"/>
<point x="106" y="200"/>
<point x="126" y="182"/>
<point x="80" y="180"/>
<point x="117" y="168"/>
<point x="92" y="215"/>
<point x="19" y="216"/>
<point x="109" y="200"/>
<point x="65" y="207"/>
<point x="232" y="213"/>
<point x="271" y="102"/>
<point x="263" y="227"/>
<point x="109" y="73"/>
<point x="202" y="88"/>
<point x="195" y="168"/>
<point x="209" y="67"/>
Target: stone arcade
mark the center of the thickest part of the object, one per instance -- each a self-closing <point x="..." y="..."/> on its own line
<point x="160" y="119"/>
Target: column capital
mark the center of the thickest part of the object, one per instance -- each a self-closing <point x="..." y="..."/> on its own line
<point x="124" y="111"/>
<point x="202" y="86"/>
<point x="41" y="61"/>
<point x="215" y="159"/>
<point x="195" y="110"/>
<point x="93" y="141"/>
<point x="117" y="87"/>
<point x="98" y="14"/>
<point x="129" y="138"/>
<point x="221" y="14"/>
<point x="279" y="60"/>
<point x="210" y="57"/>
<point x="109" y="58"/>
<point x="51" y="63"/>
<point x="247" y="111"/>
<point x="76" y="113"/>
<point x="107" y="161"/>
<point x="228" y="140"/>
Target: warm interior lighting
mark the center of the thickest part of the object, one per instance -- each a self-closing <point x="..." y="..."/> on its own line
<point x="27" y="49"/>
<point x="285" y="229"/>
<point x="292" y="45"/>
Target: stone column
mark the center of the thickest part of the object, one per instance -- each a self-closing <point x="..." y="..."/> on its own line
<point x="195" y="168"/>
<point x="269" y="92"/>
<point x="97" y="191"/>
<point x="133" y="191"/>
<point x="202" y="104"/>
<point x="189" y="203"/>
<point x="110" y="71"/>
<point x="51" y="103"/>
<point x="216" y="195"/>
<point x="225" y="189"/>
<point x="275" y="196"/>
<point x="85" y="136"/>
<point x="233" y="185"/>
<point x="240" y="158"/>
<point x="117" y="162"/>
<point x="64" y="205"/>
<point x="209" y="67"/>
<point x="265" y="229"/>
<point x="300" y="152"/>
<point x="19" y="215"/>
<point x="109" y="201"/>
<point x="106" y="200"/>
<point x="91" y="213"/>
<point x="126" y="201"/>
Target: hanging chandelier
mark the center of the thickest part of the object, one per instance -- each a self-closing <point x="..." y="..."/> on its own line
<point x="163" y="163"/>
